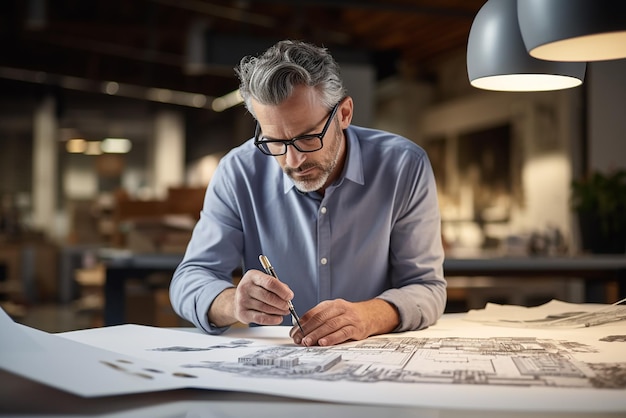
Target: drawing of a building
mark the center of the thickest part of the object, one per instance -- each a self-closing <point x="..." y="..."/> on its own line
<point x="511" y="361"/>
<point x="300" y="361"/>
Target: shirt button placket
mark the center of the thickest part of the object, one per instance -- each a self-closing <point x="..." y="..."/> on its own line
<point x="323" y="248"/>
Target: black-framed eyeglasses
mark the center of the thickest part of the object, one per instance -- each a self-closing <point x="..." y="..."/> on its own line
<point x="303" y="143"/>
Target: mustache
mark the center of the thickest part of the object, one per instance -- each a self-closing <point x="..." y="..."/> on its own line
<point x="303" y="167"/>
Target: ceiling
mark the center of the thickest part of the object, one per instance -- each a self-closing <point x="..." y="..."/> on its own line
<point x="147" y="42"/>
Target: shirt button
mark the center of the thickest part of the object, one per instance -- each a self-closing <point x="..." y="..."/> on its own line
<point x="324" y="261"/>
<point x="323" y="209"/>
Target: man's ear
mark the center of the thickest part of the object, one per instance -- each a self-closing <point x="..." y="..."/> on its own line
<point x="345" y="112"/>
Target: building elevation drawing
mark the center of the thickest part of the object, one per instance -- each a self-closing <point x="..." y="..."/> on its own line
<point x="510" y="361"/>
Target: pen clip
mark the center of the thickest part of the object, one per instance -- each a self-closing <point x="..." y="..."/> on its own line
<point x="265" y="262"/>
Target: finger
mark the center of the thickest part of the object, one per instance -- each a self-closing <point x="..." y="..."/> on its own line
<point x="321" y="333"/>
<point x="272" y="285"/>
<point x="332" y="322"/>
<point x="322" y="324"/>
<point x="248" y="309"/>
<point x="251" y="309"/>
<point x="263" y="288"/>
<point x="253" y="304"/>
<point x="256" y="304"/>
<point x="339" y="336"/>
<point x="296" y="334"/>
<point x="263" y="318"/>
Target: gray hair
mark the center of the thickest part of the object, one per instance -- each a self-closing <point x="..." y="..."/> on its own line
<point x="271" y="77"/>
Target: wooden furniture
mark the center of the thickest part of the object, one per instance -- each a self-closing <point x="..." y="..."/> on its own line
<point x="607" y="270"/>
<point x="182" y="201"/>
<point x="479" y="278"/>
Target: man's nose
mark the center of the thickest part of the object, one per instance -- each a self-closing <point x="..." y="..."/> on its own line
<point x="293" y="157"/>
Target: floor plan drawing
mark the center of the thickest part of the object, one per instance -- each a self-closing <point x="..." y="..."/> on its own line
<point x="456" y="363"/>
<point x="180" y="348"/>
<point x="511" y="361"/>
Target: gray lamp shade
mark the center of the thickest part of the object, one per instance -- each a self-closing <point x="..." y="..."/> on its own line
<point x="497" y="58"/>
<point x="573" y="30"/>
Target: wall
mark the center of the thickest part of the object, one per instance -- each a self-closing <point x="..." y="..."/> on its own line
<point x="540" y="169"/>
<point x="418" y="110"/>
<point x="545" y="136"/>
<point x="607" y="115"/>
<point x="360" y="81"/>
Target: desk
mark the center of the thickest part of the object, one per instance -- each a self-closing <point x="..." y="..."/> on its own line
<point x="606" y="271"/>
<point x="17" y="394"/>
<point x="120" y="268"/>
<point x="605" y="268"/>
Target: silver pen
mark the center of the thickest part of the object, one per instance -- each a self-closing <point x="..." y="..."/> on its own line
<point x="265" y="262"/>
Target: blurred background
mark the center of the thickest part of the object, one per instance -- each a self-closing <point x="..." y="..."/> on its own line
<point x="114" y="114"/>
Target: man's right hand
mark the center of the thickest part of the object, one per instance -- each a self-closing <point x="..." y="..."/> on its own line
<point x="259" y="298"/>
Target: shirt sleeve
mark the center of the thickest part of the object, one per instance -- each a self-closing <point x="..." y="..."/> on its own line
<point x="213" y="253"/>
<point x="416" y="251"/>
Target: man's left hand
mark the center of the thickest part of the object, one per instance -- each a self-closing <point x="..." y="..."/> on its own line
<point x="336" y="321"/>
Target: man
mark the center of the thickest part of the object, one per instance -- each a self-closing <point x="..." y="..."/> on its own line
<point x="348" y="216"/>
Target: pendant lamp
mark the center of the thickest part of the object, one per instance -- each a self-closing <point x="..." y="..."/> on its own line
<point x="573" y="30"/>
<point x="497" y="58"/>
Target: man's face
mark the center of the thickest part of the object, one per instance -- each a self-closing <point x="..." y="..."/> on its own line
<point x="302" y="114"/>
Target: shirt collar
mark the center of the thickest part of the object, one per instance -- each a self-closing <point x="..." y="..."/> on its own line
<point x="353" y="168"/>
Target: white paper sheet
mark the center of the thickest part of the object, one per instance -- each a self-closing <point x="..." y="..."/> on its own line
<point x="549" y="315"/>
<point x="455" y="364"/>
<point x="67" y="365"/>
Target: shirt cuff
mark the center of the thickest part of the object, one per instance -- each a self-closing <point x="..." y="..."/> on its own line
<point x="204" y="300"/>
<point x="410" y="313"/>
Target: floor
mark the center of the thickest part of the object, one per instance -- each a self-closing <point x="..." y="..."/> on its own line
<point x="151" y="308"/>
<point x="53" y="317"/>
<point x="144" y="306"/>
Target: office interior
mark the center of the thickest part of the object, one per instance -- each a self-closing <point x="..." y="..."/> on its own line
<point x="504" y="162"/>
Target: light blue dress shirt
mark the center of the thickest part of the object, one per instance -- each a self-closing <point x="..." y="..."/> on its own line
<point x="376" y="232"/>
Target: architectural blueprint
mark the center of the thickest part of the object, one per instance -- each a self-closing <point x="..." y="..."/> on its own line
<point x="513" y="361"/>
<point x="454" y="364"/>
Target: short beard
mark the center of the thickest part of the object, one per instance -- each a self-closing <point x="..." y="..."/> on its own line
<point x="326" y="167"/>
<point x="313" y="184"/>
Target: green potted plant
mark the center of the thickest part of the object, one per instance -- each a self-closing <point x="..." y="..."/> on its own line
<point x="599" y="200"/>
